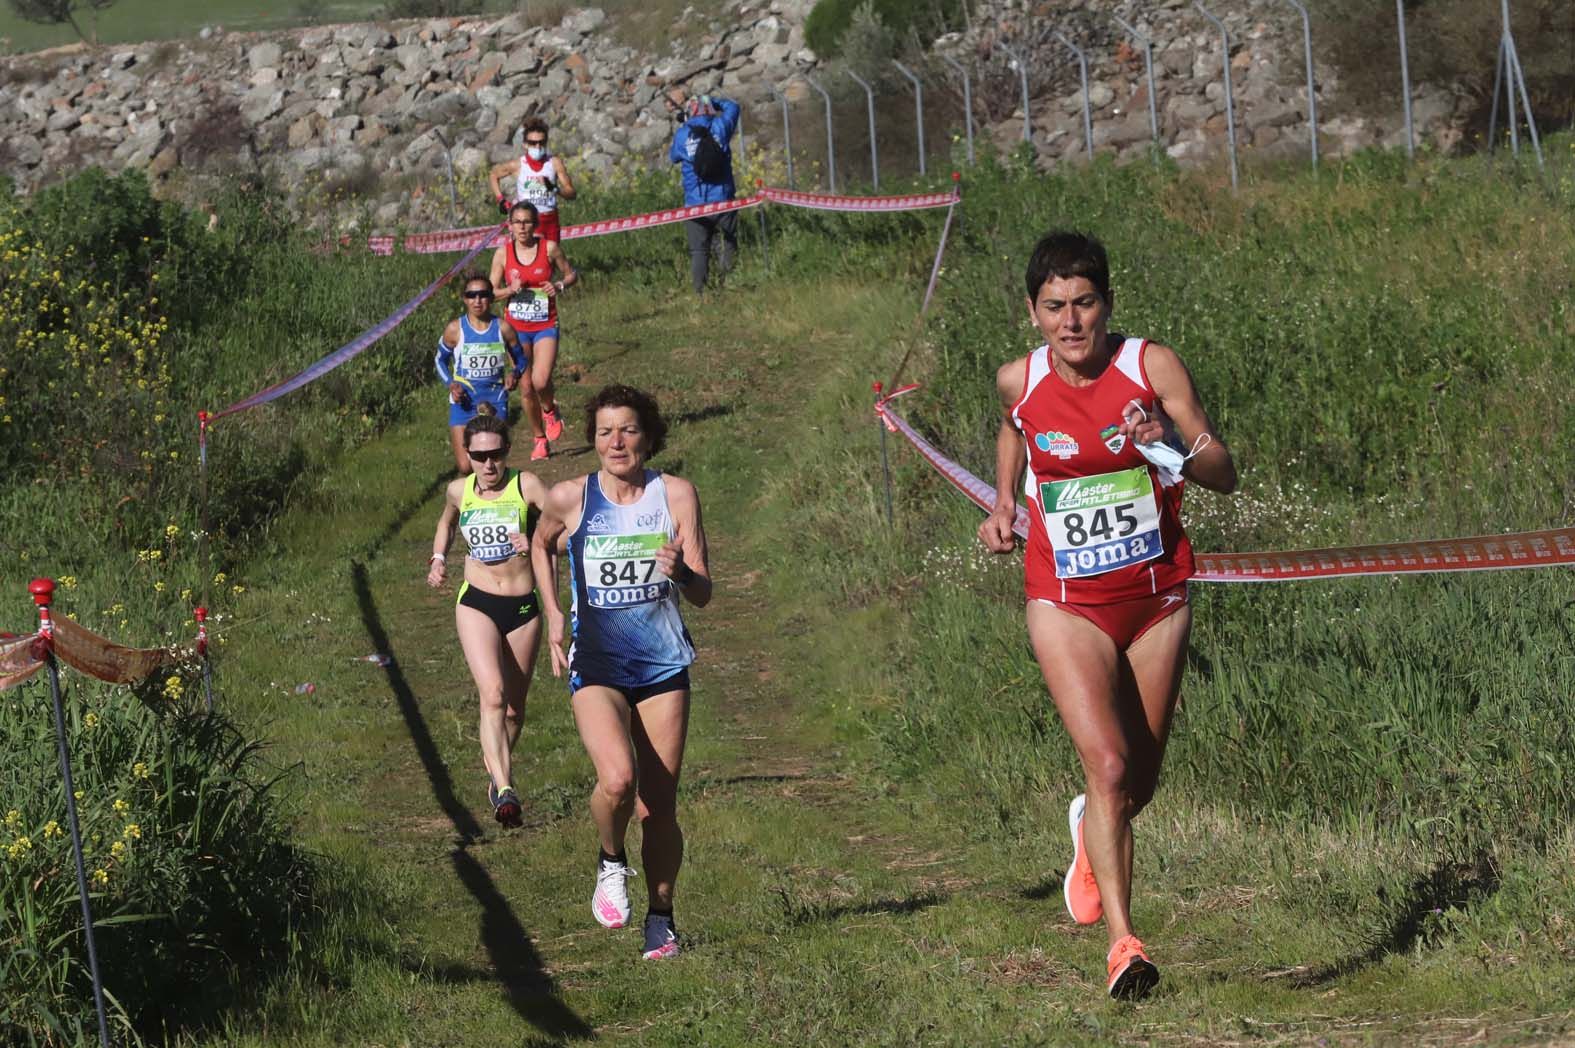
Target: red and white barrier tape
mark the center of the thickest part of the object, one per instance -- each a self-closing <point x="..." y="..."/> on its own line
<point x="1531" y="549"/>
<point x="463" y="239"/>
<point x="828" y="202"/>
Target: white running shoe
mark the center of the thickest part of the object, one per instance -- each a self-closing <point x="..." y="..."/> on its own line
<point x="610" y="902"/>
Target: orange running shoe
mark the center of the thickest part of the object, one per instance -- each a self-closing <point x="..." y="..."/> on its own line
<point x="1132" y="974"/>
<point x="539" y="450"/>
<point x="552" y="423"/>
<point x="1080" y="889"/>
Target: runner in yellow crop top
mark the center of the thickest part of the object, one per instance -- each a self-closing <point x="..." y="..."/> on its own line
<point x="497" y="614"/>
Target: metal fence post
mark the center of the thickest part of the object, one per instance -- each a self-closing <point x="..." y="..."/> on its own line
<point x="1230" y="102"/>
<point x="918" y="103"/>
<point x="831" y="151"/>
<point x="1022" y="76"/>
<point x="787" y="133"/>
<point x="869" y="97"/>
<point x="453" y="195"/>
<point x="1148" y="70"/>
<point x="1516" y="76"/>
<point x="1312" y="98"/>
<point x="1082" y="75"/>
<point x="967" y="100"/>
<point x="1405" y="81"/>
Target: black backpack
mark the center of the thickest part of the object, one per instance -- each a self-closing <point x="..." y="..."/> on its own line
<point x="710" y="161"/>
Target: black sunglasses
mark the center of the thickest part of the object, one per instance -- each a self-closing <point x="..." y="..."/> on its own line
<point x="478" y="294"/>
<point x="494" y="455"/>
<point x="535" y="141"/>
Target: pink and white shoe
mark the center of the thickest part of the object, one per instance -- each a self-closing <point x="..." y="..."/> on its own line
<point x="552" y="424"/>
<point x="610" y="901"/>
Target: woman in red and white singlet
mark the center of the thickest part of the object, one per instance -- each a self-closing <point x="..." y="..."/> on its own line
<point x="1107" y="562"/>
<point x="522" y="272"/>
<point x="539" y="179"/>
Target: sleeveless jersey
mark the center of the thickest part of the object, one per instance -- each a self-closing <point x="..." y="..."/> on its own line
<point x="625" y="621"/>
<point x="488" y="523"/>
<point x="537" y="184"/>
<point x="531" y="310"/>
<point x="1102" y="527"/>
<point x="480" y="360"/>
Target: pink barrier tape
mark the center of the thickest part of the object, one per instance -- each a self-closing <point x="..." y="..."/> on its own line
<point x="446" y="240"/>
<point x="827" y="202"/>
<point x="656" y="218"/>
<point x="356" y="345"/>
<point x="1529" y="549"/>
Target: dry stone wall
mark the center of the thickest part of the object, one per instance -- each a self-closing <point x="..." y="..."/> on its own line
<point x="383" y="107"/>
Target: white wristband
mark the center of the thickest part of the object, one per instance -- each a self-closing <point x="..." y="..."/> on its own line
<point x="437" y="556"/>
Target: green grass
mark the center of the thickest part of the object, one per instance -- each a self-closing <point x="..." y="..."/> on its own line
<point x="1363" y="834"/>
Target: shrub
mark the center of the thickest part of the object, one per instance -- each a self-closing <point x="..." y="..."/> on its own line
<point x="196" y="888"/>
<point x="828" y="23"/>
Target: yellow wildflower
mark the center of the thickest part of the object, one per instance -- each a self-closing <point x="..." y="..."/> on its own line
<point x="117" y="851"/>
<point x="140" y="769"/>
<point x="52" y="830"/>
<point x="121" y="807"/>
<point x="237" y="589"/>
<point x="90" y="721"/>
<point x="19" y="847"/>
<point x="158" y="586"/>
<point x="132" y="831"/>
<point x="218" y="580"/>
<point x="171" y="530"/>
<point x="101" y="878"/>
<point x="68" y="581"/>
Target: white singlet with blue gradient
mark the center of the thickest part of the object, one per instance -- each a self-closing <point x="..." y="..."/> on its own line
<point x="625" y="621"/>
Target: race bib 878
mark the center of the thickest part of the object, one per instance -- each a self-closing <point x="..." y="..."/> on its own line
<point x="620" y="570"/>
<point x="1098" y="524"/>
<point x="530" y="306"/>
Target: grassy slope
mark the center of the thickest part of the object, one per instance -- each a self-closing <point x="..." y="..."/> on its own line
<point x="824" y="901"/>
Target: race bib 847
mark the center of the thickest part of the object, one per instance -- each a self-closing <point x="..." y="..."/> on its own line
<point x="620" y="570"/>
<point x="1098" y="524"/>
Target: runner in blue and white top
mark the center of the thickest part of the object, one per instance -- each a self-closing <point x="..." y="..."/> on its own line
<point x="472" y="360"/>
<point x="636" y="544"/>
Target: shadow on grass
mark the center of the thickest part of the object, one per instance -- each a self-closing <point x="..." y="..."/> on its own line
<point x="1051" y="886"/>
<point x="799" y="914"/>
<point x="516" y="965"/>
<point x="404" y="515"/>
<point x="710" y="411"/>
<point x="1416" y="917"/>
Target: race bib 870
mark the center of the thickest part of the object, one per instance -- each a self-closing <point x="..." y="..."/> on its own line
<point x="481" y="363"/>
<point x="620" y="570"/>
<point x="1099" y="524"/>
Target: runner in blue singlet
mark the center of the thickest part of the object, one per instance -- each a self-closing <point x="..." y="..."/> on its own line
<point x="635" y="544"/>
<point x="472" y="359"/>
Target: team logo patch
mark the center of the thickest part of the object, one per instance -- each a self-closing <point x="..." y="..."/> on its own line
<point x="598" y="522"/>
<point x="1056" y="443"/>
<point x="1113" y="440"/>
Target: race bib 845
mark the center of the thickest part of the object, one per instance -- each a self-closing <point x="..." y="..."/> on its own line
<point x="1098" y="524"/>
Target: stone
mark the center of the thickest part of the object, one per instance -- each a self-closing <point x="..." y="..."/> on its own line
<point x="122" y="59"/>
<point x="555" y="82"/>
<point x="486" y="74"/>
<point x="470" y="160"/>
<point x="264" y="55"/>
<point x="164" y="161"/>
<point x="260" y="103"/>
<point x="586" y="21"/>
<point x="62" y="120"/>
<point x="26" y="151"/>
<point x="578" y="68"/>
<point x="264" y="76"/>
<point x="301" y="133"/>
<point x="520" y="62"/>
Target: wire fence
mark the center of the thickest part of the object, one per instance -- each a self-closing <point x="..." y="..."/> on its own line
<point x="842" y="127"/>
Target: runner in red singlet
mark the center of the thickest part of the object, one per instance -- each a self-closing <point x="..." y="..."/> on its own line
<point x="1107" y="562"/>
<point x="522" y="271"/>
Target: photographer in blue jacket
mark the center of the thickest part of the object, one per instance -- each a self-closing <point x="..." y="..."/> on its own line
<point x="703" y="150"/>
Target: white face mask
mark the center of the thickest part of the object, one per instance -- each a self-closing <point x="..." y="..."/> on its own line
<point x="536" y="153"/>
<point x="1168" y="460"/>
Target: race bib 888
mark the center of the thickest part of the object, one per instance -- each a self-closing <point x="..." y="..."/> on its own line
<point x="1098" y="524"/>
<point x="487" y="530"/>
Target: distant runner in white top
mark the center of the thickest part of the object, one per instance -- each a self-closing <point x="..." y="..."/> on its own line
<point x="540" y="179"/>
